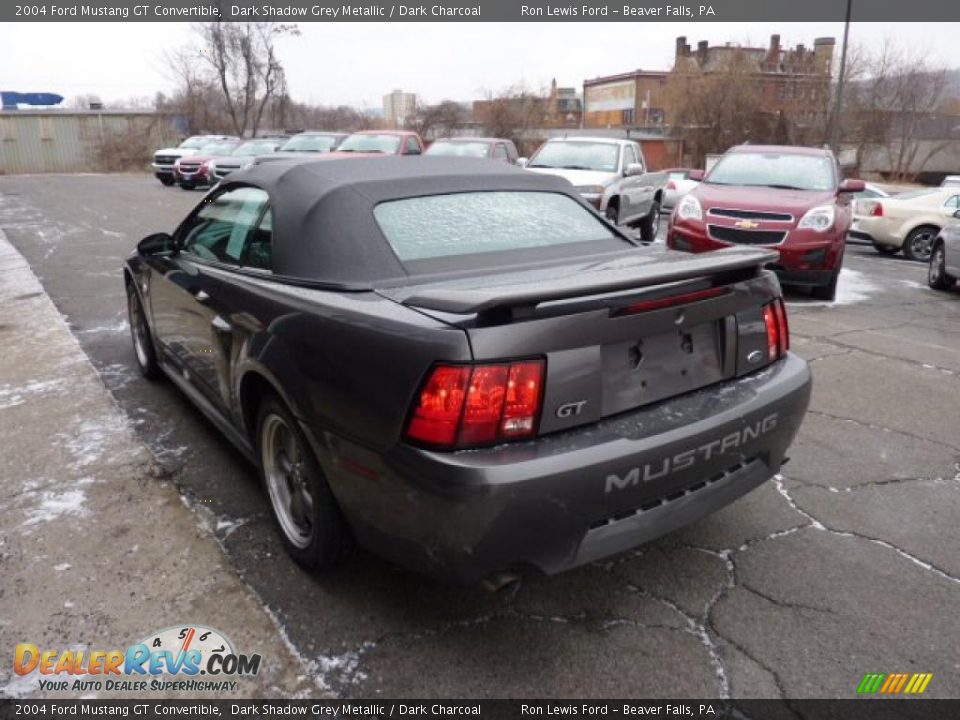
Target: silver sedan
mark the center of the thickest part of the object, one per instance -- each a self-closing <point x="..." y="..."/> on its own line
<point x="945" y="257"/>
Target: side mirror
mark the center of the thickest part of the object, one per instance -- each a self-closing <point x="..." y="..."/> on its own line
<point x="851" y="185"/>
<point x="522" y="161"/>
<point x="633" y="169"/>
<point x="696" y="175"/>
<point x="156" y="244"/>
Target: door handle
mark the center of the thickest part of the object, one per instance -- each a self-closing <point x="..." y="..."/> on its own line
<point x="221" y="325"/>
<point x="201" y="296"/>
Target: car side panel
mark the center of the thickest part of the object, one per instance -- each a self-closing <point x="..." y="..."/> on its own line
<point x="951" y="240"/>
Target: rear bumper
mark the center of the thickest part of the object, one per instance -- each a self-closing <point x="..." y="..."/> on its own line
<point x="573" y="497"/>
<point x="877" y="230"/>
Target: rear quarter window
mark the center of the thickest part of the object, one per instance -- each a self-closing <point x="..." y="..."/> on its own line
<point x="439" y="226"/>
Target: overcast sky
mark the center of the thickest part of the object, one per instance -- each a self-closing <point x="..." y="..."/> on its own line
<point x="356" y="63"/>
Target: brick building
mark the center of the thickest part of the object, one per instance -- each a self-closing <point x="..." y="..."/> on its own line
<point x="794" y="81"/>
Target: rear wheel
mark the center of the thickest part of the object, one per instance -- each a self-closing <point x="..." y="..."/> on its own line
<point x="919" y="242"/>
<point x="650" y="224"/>
<point x="885" y="249"/>
<point x="937" y="276"/>
<point x="311" y="525"/>
<point x="140" y="334"/>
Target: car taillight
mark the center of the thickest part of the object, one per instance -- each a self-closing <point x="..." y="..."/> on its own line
<point x="778" y="333"/>
<point x="469" y="405"/>
<point x="876" y="210"/>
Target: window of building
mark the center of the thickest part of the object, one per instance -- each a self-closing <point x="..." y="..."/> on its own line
<point x="627" y="117"/>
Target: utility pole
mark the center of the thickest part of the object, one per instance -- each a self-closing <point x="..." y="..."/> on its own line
<point x="835" y="119"/>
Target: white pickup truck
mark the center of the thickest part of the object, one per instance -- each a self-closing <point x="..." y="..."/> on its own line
<point x="610" y="174"/>
<point x="165" y="159"/>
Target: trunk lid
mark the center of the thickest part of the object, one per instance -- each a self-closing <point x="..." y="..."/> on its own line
<point x="617" y="334"/>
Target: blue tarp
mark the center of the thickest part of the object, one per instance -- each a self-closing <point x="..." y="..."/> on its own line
<point x="12" y="99"/>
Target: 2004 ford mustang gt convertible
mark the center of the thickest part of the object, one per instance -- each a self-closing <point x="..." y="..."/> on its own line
<point x="461" y="366"/>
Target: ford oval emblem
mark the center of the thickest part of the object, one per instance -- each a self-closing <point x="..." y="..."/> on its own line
<point x="754" y="357"/>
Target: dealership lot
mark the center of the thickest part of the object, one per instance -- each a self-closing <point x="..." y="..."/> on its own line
<point x="845" y="564"/>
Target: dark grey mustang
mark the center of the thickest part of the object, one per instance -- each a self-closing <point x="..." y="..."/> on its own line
<point x="461" y="366"/>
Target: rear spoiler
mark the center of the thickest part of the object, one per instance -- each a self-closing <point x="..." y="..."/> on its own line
<point x="643" y="271"/>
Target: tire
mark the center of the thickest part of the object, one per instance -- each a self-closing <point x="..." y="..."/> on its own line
<point x="311" y="526"/>
<point x="143" y="349"/>
<point x="612" y="213"/>
<point x="827" y="292"/>
<point x="885" y="249"/>
<point x="650" y="224"/>
<point x="167" y="181"/>
<point x="917" y="246"/>
<point x="184" y="186"/>
<point x="937" y="277"/>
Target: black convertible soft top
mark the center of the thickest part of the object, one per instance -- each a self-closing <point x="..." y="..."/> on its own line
<point x="324" y="229"/>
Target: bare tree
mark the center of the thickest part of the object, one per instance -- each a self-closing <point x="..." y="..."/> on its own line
<point x="511" y="112"/>
<point x="440" y="118"/>
<point x="240" y="61"/>
<point x="711" y="110"/>
<point x="894" y="94"/>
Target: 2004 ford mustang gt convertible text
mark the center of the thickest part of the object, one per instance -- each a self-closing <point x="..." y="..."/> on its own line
<point x="461" y="366"/>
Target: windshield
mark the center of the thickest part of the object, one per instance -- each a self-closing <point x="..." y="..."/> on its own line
<point x="371" y="143"/>
<point x="789" y="171"/>
<point x="479" y="222"/>
<point x="195" y="142"/>
<point x="260" y="147"/>
<point x="458" y="149"/>
<point x="216" y="149"/>
<point x="309" y="143"/>
<point x="577" y="156"/>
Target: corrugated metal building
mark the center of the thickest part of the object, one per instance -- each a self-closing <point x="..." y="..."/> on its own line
<point x="43" y="141"/>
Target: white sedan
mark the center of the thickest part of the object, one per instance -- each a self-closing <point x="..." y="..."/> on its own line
<point x="678" y="185"/>
<point x="909" y="221"/>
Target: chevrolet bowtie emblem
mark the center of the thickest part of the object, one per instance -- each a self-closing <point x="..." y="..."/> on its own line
<point x="746" y="224"/>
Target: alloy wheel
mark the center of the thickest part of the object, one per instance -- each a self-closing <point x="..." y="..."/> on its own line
<point x="138" y="329"/>
<point x="921" y="243"/>
<point x="288" y="483"/>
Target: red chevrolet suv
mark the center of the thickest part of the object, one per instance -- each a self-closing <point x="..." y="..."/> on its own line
<point x="787" y="198"/>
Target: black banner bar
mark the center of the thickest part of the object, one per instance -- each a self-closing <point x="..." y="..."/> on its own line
<point x="852" y="709"/>
<point x="632" y="11"/>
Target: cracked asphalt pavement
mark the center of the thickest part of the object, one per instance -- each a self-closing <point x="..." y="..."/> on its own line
<point x="846" y="563"/>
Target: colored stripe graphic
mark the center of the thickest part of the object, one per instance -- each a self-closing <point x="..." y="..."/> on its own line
<point x="870" y="683"/>
<point x="894" y="683"/>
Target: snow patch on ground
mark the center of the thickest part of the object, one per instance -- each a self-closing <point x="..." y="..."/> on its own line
<point x="854" y="287"/>
<point x="54" y="505"/>
<point x="118" y="327"/>
<point x="89" y="442"/>
<point x="13" y="395"/>
<point x="17" y="686"/>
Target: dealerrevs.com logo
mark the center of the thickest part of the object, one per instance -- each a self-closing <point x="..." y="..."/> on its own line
<point x="185" y="658"/>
